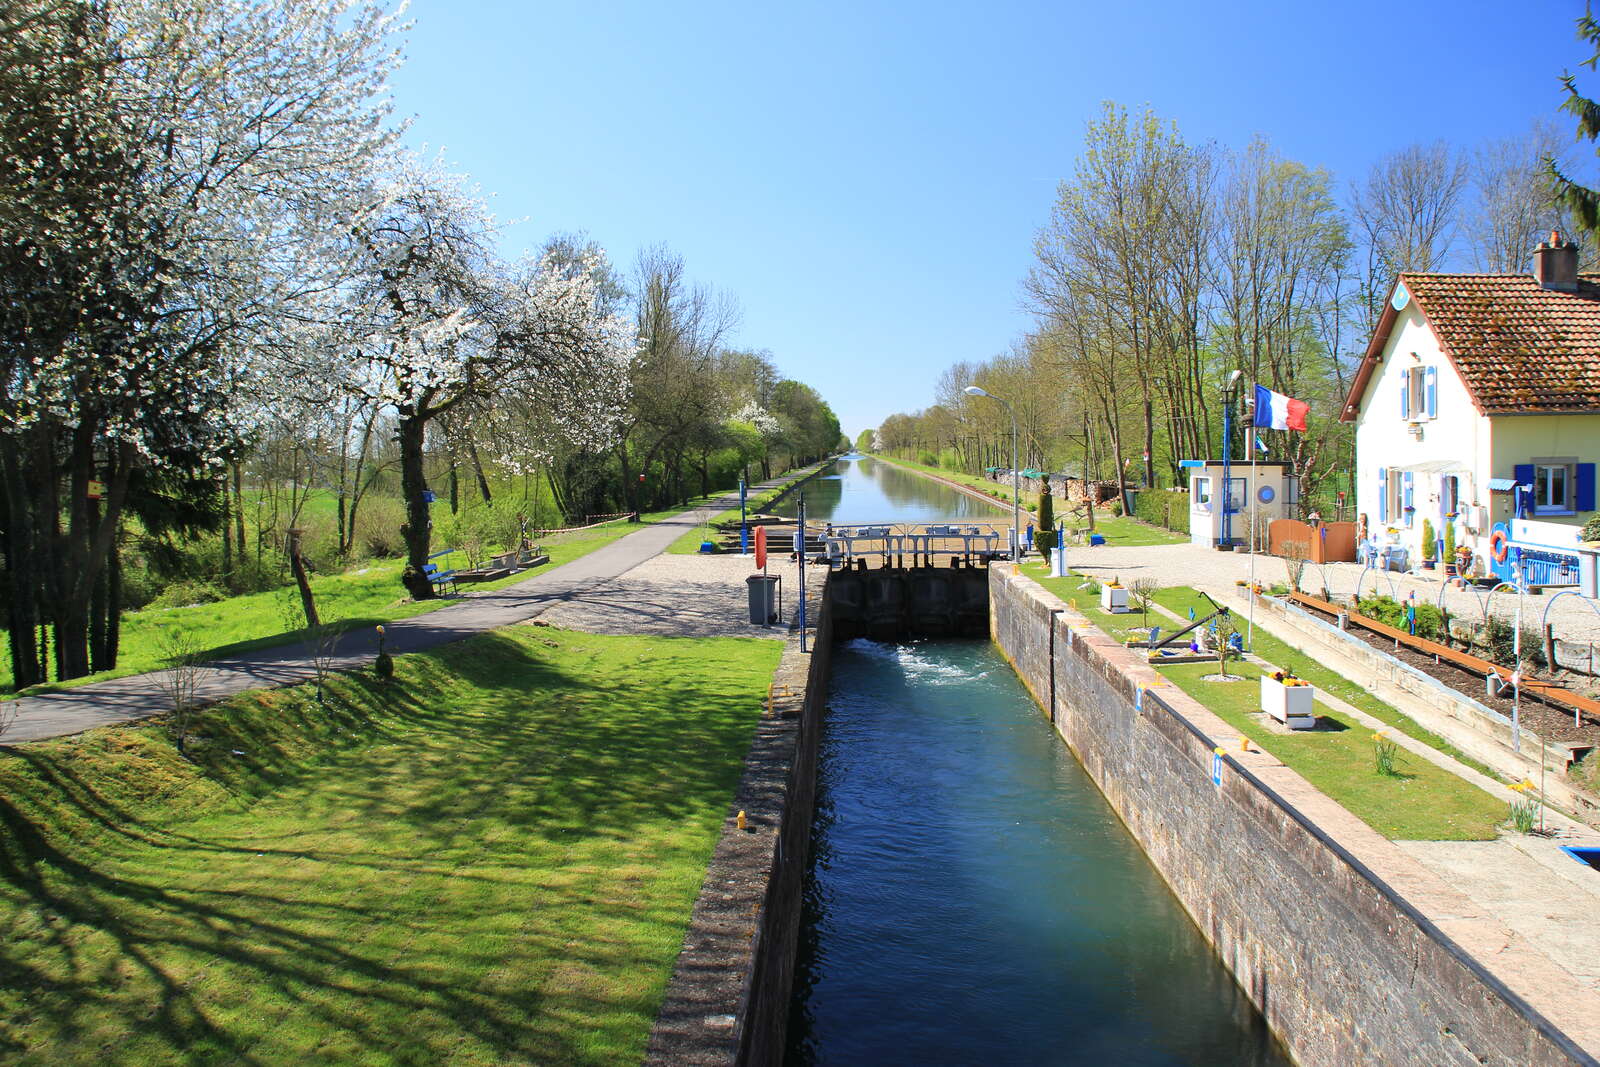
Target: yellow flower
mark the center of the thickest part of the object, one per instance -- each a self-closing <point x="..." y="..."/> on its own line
<point x="380" y="629"/>
<point x="1378" y="736"/>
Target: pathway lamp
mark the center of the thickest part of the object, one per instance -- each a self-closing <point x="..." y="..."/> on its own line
<point x="1016" y="478"/>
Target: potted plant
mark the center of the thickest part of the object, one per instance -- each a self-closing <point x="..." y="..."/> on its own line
<point x="1289" y="699"/>
<point x="1430" y="550"/>
<point x="1450" y="567"/>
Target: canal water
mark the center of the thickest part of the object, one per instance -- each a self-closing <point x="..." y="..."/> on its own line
<point x="860" y="489"/>
<point x="971" y="898"/>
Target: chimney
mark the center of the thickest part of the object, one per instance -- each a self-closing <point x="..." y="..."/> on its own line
<point x="1555" y="264"/>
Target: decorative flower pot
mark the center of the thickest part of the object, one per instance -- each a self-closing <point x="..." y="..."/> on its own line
<point x="1113" y="599"/>
<point x="1427" y="564"/>
<point x="1290" y="704"/>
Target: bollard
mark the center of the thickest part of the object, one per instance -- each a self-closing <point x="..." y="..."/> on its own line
<point x="1058" y="561"/>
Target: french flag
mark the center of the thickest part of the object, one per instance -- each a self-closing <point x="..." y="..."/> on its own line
<point x="1278" y="412"/>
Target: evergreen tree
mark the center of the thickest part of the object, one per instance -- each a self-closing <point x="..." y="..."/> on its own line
<point x="1583" y="202"/>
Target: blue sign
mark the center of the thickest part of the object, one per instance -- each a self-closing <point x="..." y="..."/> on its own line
<point x="428" y="496"/>
<point x="1216" y="767"/>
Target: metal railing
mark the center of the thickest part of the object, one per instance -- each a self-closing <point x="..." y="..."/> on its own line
<point x="924" y="544"/>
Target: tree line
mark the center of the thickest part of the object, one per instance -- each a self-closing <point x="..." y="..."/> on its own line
<point x="223" y="279"/>
<point x="1165" y="265"/>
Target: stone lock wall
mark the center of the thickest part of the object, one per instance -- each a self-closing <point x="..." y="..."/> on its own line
<point x="1298" y="897"/>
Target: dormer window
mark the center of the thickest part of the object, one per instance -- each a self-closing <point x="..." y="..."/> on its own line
<point x="1419" y="394"/>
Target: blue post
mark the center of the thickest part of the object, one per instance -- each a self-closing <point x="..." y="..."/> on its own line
<point x="800" y="543"/>
<point x="744" y="524"/>
<point x="1227" y="437"/>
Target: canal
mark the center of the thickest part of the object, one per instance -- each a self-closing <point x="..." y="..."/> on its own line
<point x="860" y="489"/>
<point x="970" y="897"/>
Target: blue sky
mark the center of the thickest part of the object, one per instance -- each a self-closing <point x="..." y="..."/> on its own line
<point x="866" y="179"/>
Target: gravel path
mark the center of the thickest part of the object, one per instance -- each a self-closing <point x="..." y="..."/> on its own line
<point x="682" y="596"/>
<point x="1574" y="618"/>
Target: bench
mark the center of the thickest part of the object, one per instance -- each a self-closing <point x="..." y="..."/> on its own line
<point x="437" y="577"/>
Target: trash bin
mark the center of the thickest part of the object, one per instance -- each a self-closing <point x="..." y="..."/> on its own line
<point x="763" y="589"/>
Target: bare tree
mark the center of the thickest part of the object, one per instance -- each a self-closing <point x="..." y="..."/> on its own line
<point x="1517" y="198"/>
<point x="180" y="681"/>
<point x="1143" y="591"/>
<point x="1407" y="214"/>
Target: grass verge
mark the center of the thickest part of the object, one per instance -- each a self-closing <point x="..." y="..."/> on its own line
<point x="1117" y="529"/>
<point x="362" y="596"/>
<point x="1422" y="802"/>
<point x="491" y="859"/>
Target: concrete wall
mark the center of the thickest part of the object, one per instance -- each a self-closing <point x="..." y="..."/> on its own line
<point x="728" y="999"/>
<point x="1302" y="901"/>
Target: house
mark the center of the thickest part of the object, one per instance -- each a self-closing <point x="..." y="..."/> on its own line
<point x="1257" y="492"/>
<point x="1477" y="409"/>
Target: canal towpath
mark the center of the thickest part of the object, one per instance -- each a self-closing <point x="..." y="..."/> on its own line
<point x="140" y="696"/>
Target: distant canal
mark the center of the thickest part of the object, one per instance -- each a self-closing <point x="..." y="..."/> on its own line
<point x="861" y="489"/>
<point x="972" y="899"/>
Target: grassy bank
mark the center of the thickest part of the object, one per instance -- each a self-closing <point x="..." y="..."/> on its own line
<point x="362" y="596"/>
<point x="492" y="859"/>
<point x="1117" y="529"/>
<point x="689" y="543"/>
<point x="1422" y="802"/>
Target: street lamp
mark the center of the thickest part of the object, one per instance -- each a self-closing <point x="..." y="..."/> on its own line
<point x="1016" y="478"/>
<point x="1228" y="392"/>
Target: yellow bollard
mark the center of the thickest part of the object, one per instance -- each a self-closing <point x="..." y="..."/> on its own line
<point x="741" y="819"/>
<point x="1244" y="744"/>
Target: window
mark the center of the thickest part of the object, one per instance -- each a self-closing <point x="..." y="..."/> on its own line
<point x="1396" y="510"/>
<point x="1448" y="490"/>
<point x="1419" y="394"/>
<point x="1235" y="495"/>
<point x="1202" y="494"/>
<point x="1552" y="489"/>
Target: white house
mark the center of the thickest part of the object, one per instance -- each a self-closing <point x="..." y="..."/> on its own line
<point x="1477" y="407"/>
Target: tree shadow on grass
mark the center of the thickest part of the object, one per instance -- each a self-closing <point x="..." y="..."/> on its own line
<point x="499" y="812"/>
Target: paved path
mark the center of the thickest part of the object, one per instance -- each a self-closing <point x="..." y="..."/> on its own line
<point x="140" y="696"/>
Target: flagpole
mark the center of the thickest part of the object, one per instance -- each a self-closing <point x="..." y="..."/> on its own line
<point x="1250" y="636"/>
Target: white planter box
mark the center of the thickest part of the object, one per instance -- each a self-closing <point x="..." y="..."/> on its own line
<point x="1114" y="598"/>
<point x="1289" y="704"/>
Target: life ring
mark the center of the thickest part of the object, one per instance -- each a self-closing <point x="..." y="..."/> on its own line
<point x="1498" y="549"/>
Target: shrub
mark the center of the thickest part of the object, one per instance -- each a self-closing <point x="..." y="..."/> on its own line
<point x="927" y="459"/>
<point x="1499" y="638"/>
<point x="378" y="523"/>
<point x="1163" y="507"/>
<point x="1429" y="547"/>
<point x="1045" y="538"/>
<point x="1591" y="529"/>
<point x="1116" y="507"/>
<point x="188" y="591"/>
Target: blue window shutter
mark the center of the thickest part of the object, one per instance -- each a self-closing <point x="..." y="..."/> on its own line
<point x="1585" y="487"/>
<point x="1522" y="498"/>
<point x="1408" y="495"/>
<point x="1523" y="473"/>
<point x="1383" y="494"/>
<point x="1432" y="377"/>
<point x="1405" y="396"/>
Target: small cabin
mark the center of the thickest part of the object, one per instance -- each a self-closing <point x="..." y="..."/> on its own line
<point x="1258" y="492"/>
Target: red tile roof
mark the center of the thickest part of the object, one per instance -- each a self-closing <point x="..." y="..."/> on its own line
<point x="1520" y="348"/>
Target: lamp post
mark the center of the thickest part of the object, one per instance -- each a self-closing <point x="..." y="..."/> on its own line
<point x="1228" y="392"/>
<point x="1016" y="478"/>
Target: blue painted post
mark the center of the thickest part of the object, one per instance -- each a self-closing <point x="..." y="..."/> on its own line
<point x="800" y="543"/>
<point x="1227" y="436"/>
<point x="744" y="522"/>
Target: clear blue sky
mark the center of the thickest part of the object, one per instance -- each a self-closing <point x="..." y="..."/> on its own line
<point x="867" y="178"/>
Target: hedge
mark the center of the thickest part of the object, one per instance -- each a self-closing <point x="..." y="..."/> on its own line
<point x="1163" y="507"/>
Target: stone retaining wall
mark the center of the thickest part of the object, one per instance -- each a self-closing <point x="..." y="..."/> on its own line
<point x="1351" y="950"/>
<point x="728" y="998"/>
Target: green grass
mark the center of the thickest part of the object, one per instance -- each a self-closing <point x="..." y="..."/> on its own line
<point x="689" y="543"/>
<point x="1117" y="529"/>
<point x="1424" y="803"/>
<point x="363" y="596"/>
<point x="492" y="859"/>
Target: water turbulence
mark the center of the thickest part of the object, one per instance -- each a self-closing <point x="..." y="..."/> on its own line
<point x="971" y="897"/>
